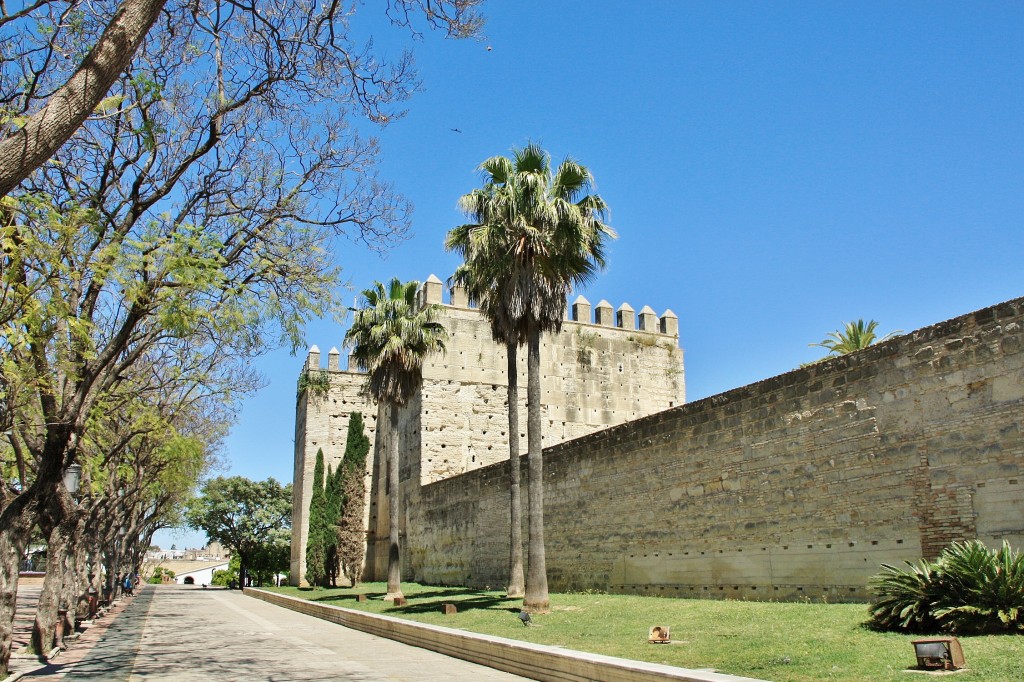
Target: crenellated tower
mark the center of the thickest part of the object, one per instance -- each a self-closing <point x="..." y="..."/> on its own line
<point x="604" y="367"/>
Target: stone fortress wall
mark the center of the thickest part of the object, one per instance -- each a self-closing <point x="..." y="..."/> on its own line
<point x="797" y="486"/>
<point x="605" y="367"/>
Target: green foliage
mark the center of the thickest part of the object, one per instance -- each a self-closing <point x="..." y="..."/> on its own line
<point x="357" y="445"/>
<point x="333" y="496"/>
<point x="969" y="589"/>
<point x="225" y="577"/>
<point x="855" y="336"/>
<point x="390" y="336"/>
<point x="316" y="383"/>
<point x="158" y="575"/>
<point x="904" y="598"/>
<point x="534" y="235"/>
<point x="316" y="548"/>
<point x="252" y="518"/>
<point x="351" y="476"/>
<point x="986" y="588"/>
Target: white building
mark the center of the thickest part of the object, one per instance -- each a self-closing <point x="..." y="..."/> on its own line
<point x="202" y="575"/>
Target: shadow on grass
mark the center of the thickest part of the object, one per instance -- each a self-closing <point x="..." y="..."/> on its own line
<point x="482" y="602"/>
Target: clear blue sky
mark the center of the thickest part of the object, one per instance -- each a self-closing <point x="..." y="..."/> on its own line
<point x="773" y="169"/>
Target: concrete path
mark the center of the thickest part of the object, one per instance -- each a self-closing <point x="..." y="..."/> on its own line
<point x="171" y="632"/>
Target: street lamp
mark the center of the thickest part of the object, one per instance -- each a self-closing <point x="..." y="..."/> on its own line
<point x="73" y="477"/>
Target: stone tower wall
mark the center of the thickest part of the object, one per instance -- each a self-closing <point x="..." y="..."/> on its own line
<point x="322" y="423"/>
<point x="599" y="370"/>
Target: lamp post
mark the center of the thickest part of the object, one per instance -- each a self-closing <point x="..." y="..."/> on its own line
<point x="73" y="478"/>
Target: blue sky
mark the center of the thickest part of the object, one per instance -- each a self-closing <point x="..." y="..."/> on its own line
<point x="773" y="170"/>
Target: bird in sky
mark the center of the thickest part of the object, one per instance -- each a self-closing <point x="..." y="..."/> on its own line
<point x="455" y="130"/>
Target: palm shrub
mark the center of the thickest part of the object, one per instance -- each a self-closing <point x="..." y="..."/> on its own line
<point x="969" y="589"/>
<point x="986" y="588"/>
<point x="904" y="597"/>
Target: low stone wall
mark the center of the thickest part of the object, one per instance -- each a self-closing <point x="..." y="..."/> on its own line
<point x="533" y="661"/>
<point x="796" y="486"/>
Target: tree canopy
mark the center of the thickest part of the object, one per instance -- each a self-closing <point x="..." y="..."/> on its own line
<point x="186" y="224"/>
<point x="853" y="337"/>
<point x="249" y="517"/>
<point x="62" y="56"/>
<point x="534" y="235"/>
<point x="391" y="335"/>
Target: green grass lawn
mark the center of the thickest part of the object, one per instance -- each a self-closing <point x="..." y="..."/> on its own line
<point x="767" y="640"/>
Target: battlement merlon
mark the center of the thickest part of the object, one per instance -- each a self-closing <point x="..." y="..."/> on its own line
<point x="580" y="310"/>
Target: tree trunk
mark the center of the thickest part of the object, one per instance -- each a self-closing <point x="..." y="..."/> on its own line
<point x="15" y="528"/>
<point x="45" y="626"/>
<point x="536" y="600"/>
<point x="394" y="553"/>
<point x="515" y="589"/>
<point x="39" y="139"/>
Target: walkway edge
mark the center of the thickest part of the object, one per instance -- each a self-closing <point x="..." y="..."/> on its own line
<point x="534" y="661"/>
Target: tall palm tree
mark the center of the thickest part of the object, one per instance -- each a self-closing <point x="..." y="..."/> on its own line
<point x="390" y="336"/>
<point x="534" y="235"/>
<point x="855" y="336"/>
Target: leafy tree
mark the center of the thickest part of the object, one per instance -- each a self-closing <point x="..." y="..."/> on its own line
<point x="142" y="457"/>
<point x="854" y="336"/>
<point x="351" y="535"/>
<point x="249" y="517"/>
<point x="158" y="575"/>
<point x="225" y="577"/>
<point x="390" y="336"/>
<point x="332" y="513"/>
<point x="533" y="236"/>
<point x="316" y="549"/>
<point x="47" y="93"/>
<point x="35" y="138"/>
<point x="191" y="212"/>
<point x="269" y="560"/>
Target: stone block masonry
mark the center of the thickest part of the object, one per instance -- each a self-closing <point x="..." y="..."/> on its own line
<point x="796" y="486"/>
<point x="598" y="371"/>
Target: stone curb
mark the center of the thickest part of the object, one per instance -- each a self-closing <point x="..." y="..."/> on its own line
<point x="534" y="661"/>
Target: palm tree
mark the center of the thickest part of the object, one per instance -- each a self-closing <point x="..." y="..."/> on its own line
<point x="533" y="236"/>
<point x="855" y="336"/>
<point x="390" y="336"/>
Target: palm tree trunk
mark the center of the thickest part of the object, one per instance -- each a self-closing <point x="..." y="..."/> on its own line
<point x="515" y="588"/>
<point x="536" y="600"/>
<point x="394" y="554"/>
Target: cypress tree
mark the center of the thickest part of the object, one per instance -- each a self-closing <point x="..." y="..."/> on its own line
<point x="351" y="476"/>
<point x="332" y="494"/>
<point x="316" y="550"/>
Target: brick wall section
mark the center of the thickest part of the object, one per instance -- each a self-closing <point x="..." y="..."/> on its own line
<point x="799" y="485"/>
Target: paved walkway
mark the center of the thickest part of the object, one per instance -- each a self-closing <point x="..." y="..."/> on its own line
<point x="171" y="632"/>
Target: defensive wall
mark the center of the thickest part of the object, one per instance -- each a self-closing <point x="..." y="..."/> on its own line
<point x="796" y="486"/>
<point x="605" y="367"/>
